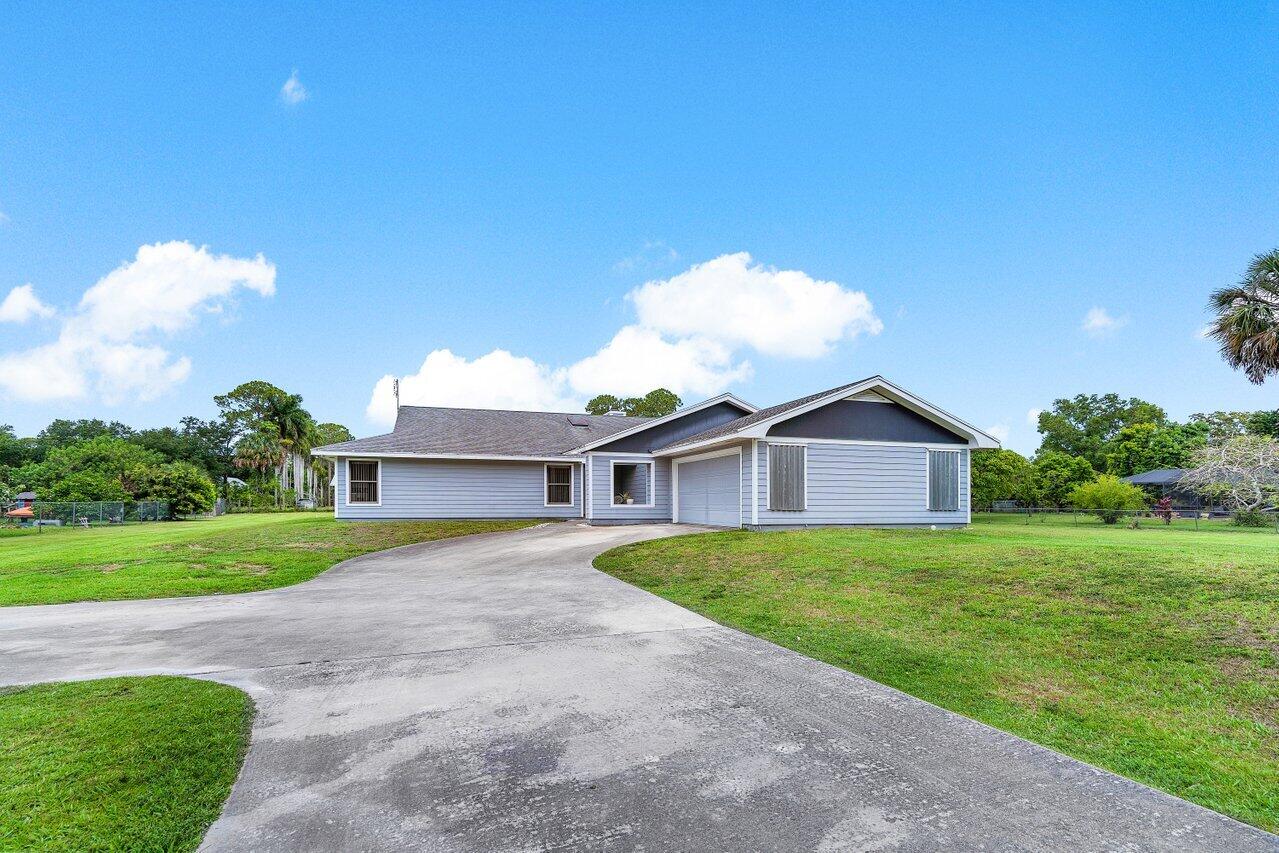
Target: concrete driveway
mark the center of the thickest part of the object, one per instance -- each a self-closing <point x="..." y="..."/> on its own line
<point x="497" y="693"/>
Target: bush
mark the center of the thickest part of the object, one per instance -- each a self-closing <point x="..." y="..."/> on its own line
<point x="1108" y="498"/>
<point x="1250" y="518"/>
<point x="187" y="488"/>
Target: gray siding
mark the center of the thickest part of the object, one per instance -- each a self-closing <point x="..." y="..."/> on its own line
<point x="863" y="484"/>
<point x="858" y="420"/>
<point x="437" y="488"/>
<point x="605" y="511"/>
<point x="676" y="430"/>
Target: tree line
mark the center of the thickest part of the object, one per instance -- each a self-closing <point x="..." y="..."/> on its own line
<point x="254" y="453"/>
<point x="1094" y="438"/>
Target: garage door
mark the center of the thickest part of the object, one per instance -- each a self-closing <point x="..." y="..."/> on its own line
<point x="710" y="491"/>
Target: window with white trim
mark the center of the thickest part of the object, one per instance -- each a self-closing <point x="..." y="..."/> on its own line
<point x="787" y="477"/>
<point x="362" y="484"/>
<point x="943" y="480"/>
<point x="559" y="485"/>
<point x="632" y="483"/>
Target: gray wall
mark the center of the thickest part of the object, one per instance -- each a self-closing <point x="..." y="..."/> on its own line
<point x="861" y="484"/>
<point x="858" y="420"/>
<point x="672" y="431"/>
<point x="602" y="507"/>
<point x="437" y="488"/>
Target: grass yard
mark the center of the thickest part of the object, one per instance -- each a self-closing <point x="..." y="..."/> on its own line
<point x="234" y="553"/>
<point x="118" y="764"/>
<point x="1152" y="652"/>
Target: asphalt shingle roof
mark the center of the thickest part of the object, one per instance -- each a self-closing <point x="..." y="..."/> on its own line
<point x="486" y="432"/>
<point x="762" y="415"/>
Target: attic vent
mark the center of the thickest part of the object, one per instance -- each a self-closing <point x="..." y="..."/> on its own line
<point x="579" y="420"/>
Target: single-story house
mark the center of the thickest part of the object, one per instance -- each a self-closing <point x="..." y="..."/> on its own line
<point x="865" y="453"/>
<point x="1166" y="482"/>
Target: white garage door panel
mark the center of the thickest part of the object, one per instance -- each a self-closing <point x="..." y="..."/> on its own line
<point x="710" y="491"/>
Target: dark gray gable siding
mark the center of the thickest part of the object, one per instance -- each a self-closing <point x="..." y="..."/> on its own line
<point x="675" y="430"/>
<point x="858" y="420"/>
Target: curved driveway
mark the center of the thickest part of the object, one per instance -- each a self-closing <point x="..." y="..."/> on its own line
<point x="497" y="693"/>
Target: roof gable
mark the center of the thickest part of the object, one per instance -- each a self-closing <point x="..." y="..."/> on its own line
<point x="724" y="402"/>
<point x="756" y="425"/>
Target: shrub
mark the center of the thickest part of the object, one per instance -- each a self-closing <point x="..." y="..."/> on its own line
<point x="1250" y="518"/>
<point x="1108" y="497"/>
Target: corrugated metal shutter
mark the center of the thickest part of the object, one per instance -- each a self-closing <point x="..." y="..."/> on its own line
<point x="943" y="480"/>
<point x="786" y="476"/>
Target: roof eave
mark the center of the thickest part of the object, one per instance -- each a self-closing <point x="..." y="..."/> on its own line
<point x="496" y="457"/>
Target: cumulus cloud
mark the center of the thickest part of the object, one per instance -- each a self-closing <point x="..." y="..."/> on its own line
<point x="293" y="92"/>
<point x="1032" y="417"/>
<point x="108" y="343"/>
<point x="998" y="431"/>
<point x="22" y="304"/>
<point x="736" y="302"/>
<point x="1098" y="323"/>
<point x="637" y="360"/>
<point x="498" y="380"/>
<point x="689" y="336"/>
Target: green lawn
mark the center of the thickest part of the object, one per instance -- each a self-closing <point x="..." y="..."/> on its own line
<point x="1151" y="652"/>
<point x="234" y="553"/>
<point x="118" y="764"/>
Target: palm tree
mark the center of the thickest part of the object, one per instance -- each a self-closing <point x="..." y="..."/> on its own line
<point x="259" y="451"/>
<point x="293" y="425"/>
<point x="1247" y="324"/>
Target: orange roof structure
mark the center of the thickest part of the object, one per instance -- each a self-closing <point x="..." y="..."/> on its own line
<point x="20" y="512"/>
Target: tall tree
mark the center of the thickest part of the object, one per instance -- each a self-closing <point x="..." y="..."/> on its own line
<point x="999" y="475"/>
<point x="1057" y="474"/>
<point x="1247" y="321"/>
<point x="1085" y="425"/>
<point x="1146" y="446"/>
<point x="1222" y="425"/>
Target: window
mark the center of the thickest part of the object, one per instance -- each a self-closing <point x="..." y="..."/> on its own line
<point x="943" y="480"/>
<point x="559" y="485"/>
<point x="362" y="481"/>
<point x="632" y="483"/>
<point x="787" y="477"/>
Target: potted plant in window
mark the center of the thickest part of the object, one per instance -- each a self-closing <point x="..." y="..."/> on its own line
<point x="624" y="498"/>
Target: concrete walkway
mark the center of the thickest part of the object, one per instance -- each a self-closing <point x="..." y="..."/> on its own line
<point x="497" y="693"/>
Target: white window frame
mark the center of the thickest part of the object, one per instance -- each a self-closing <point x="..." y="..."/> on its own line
<point x="768" y="483"/>
<point x="652" y="483"/>
<point x="377" y="502"/>
<point x="928" y="478"/>
<point x="546" y="484"/>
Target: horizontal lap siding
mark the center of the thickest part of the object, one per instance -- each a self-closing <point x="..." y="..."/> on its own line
<point x="865" y="484"/>
<point x="602" y="506"/>
<point x="419" y="488"/>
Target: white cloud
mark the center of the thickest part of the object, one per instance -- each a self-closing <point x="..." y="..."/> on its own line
<point x="998" y="431"/>
<point x="690" y="330"/>
<point x="108" y="342"/>
<point x="293" y="92"/>
<point x="22" y="304"/>
<point x="637" y="360"/>
<point x="498" y="380"/>
<point x="1098" y="322"/>
<point x="4" y="218"/>
<point x="737" y="303"/>
<point x="1032" y="417"/>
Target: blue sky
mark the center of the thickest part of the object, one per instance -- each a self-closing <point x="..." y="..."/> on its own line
<point x="500" y="177"/>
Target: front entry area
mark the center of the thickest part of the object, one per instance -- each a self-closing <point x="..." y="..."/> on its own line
<point x="709" y="491"/>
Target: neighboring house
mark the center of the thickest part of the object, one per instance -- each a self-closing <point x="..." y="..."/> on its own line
<point x="868" y="452"/>
<point x="1166" y="482"/>
<point x="23" y="499"/>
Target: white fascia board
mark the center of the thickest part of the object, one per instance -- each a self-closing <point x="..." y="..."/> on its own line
<point x="687" y="410"/>
<point x="478" y="456"/>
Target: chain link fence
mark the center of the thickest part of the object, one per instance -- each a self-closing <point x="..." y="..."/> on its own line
<point x="91" y="513"/>
<point x="1197" y="518"/>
